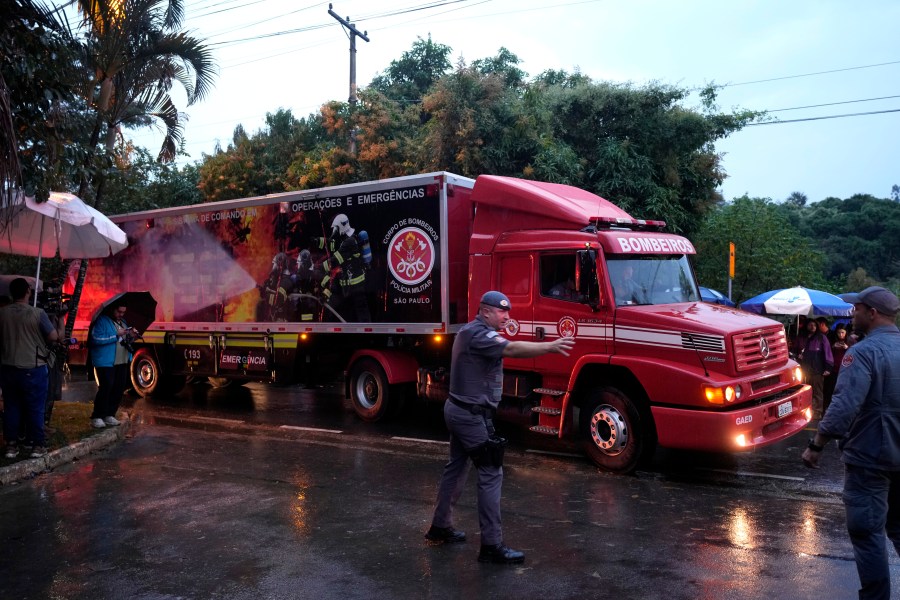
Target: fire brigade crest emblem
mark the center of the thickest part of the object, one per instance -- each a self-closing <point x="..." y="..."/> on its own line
<point x="411" y="255"/>
<point x="512" y="327"/>
<point x="567" y="327"/>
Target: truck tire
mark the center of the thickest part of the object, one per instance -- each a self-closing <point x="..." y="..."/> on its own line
<point x="369" y="390"/>
<point x="147" y="378"/>
<point x="220" y="382"/>
<point x="612" y="432"/>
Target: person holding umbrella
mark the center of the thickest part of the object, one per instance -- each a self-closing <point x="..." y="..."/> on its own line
<point x="110" y="352"/>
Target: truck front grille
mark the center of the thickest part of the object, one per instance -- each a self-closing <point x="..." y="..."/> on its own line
<point x="754" y="350"/>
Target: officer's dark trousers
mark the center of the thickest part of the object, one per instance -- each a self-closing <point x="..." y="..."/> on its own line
<point x="469" y="431"/>
<point x="872" y="501"/>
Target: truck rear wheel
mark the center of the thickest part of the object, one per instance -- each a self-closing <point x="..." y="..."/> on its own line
<point x="369" y="390"/>
<point x="612" y="431"/>
<point x="147" y="378"/>
<point x="220" y="382"/>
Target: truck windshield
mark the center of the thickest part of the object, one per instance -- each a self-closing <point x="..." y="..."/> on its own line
<point x="652" y="279"/>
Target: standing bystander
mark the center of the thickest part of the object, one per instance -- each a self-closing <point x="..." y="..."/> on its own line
<point x="110" y="339"/>
<point x="816" y="361"/>
<point x="839" y="345"/>
<point x="476" y="378"/>
<point x="865" y="417"/>
<point x="25" y="332"/>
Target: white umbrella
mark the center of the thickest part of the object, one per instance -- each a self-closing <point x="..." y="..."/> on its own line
<point x="64" y="224"/>
<point x="798" y="301"/>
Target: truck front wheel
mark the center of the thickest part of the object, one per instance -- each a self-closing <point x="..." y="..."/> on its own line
<point x="611" y="431"/>
<point x="369" y="390"/>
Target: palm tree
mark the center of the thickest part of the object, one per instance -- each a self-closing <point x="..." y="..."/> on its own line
<point x="137" y="53"/>
<point x="32" y="32"/>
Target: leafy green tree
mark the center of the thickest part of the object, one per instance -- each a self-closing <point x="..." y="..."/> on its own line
<point x="408" y="79"/>
<point x="138" y="181"/>
<point x="137" y="52"/>
<point x="798" y="199"/>
<point x="769" y="253"/>
<point x="641" y="148"/>
<point x="504" y="65"/>
<point x="476" y="126"/>
<point x="41" y="113"/>
<point x="861" y="231"/>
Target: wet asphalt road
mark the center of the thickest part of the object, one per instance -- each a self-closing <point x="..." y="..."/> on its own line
<point x="260" y="492"/>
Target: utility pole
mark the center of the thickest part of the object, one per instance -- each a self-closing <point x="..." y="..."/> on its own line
<point x="354" y="32"/>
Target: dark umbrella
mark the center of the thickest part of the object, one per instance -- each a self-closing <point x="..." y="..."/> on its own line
<point x="141" y="309"/>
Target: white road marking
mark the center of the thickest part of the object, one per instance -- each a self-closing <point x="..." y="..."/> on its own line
<point x="752" y="474"/>
<point x="406" y="439"/>
<point x="315" y="429"/>
<point x="548" y="453"/>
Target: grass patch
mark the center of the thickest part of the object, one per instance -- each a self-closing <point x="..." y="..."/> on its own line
<point x="70" y="422"/>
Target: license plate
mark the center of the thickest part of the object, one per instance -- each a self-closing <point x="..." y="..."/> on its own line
<point x="784" y="409"/>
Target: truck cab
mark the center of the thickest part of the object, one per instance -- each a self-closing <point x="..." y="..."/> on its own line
<point x="652" y="364"/>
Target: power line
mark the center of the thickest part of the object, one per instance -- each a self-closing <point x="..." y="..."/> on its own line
<point x="833" y="103"/>
<point x="895" y="62"/>
<point x="874" y="112"/>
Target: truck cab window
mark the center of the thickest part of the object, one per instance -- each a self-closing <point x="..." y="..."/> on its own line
<point x="652" y="279"/>
<point x="558" y="277"/>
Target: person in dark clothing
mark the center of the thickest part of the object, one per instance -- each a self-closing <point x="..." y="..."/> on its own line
<point x="816" y="361"/>
<point x="839" y="345"/>
<point x="864" y="416"/>
<point x="476" y="378"/>
<point x="345" y="264"/>
<point x="25" y="335"/>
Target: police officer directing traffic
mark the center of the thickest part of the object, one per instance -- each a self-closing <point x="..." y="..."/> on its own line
<point x="864" y="415"/>
<point x="476" y="379"/>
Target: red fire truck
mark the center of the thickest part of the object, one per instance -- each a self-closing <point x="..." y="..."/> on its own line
<point x="370" y="281"/>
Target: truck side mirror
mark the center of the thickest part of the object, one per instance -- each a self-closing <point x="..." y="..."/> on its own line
<point x="588" y="288"/>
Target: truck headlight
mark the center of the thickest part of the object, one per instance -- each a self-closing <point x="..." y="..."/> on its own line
<point x="720" y="395"/>
<point x="798" y="375"/>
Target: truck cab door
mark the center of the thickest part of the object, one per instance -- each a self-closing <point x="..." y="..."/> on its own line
<point x="568" y="304"/>
<point x="515" y="278"/>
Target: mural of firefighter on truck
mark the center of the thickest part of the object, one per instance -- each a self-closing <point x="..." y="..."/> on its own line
<point x="365" y="257"/>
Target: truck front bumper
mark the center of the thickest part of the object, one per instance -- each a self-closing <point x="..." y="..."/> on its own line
<point x="742" y="428"/>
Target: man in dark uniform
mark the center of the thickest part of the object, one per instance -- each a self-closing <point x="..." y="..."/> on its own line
<point x="864" y="415"/>
<point x="476" y="378"/>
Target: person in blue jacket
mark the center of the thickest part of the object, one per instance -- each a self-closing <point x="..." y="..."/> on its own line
<point x="864" y="416"/>
<point x="110" y="340"/>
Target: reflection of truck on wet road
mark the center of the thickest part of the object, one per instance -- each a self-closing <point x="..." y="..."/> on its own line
<point x="373" y="279"/>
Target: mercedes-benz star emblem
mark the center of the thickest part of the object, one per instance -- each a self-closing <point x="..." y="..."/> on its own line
<point x="764" y="347"/>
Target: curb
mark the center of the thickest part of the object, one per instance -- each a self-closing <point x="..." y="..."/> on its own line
<point x="26" y="469"/>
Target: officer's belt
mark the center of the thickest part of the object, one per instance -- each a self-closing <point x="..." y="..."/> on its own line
<point x="475" y="409"/>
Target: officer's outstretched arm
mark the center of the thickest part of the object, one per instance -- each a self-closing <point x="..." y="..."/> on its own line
<point x="531" y="349"/>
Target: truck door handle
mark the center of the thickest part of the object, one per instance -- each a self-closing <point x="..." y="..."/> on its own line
<point x="539" y="333"/>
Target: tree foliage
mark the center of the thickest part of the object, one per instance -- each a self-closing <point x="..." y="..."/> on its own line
<point x="42" y="116"/>
<point x="769" y="253"/>
<point x="409" y="78"/>
<point x="861" y="231"/>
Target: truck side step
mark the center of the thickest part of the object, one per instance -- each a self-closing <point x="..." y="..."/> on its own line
<point x="549" y="392"/>
<point x="544" y="429"/>
<point x="546" y="410"/>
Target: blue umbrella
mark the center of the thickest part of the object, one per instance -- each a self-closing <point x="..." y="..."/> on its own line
<point x="798" y="301"/>
<point x="714" y="297"/>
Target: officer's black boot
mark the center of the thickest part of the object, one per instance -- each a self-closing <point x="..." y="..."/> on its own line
<point x="445" y="535"/>
<point x="500" y="553"/>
